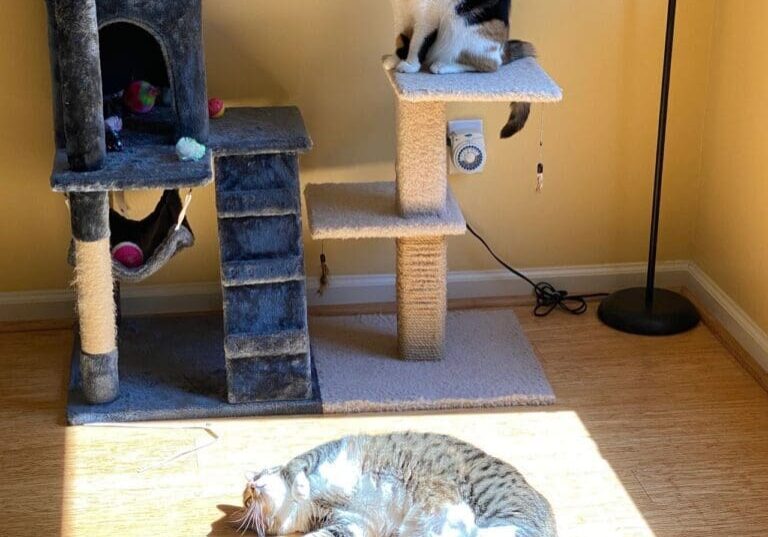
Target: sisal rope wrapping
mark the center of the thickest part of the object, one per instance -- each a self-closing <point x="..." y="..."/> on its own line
<point x="421" y="297"/>
<point x="95" y="298"/>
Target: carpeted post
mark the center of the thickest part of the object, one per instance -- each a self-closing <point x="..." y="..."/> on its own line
<point x="422" y="181"/>
<point x="422" y="174"/>
<point x="95" y="296"/>
<point x="80" y="83"/>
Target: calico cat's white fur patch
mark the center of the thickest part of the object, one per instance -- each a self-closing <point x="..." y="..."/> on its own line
<point x="458" y="36"/>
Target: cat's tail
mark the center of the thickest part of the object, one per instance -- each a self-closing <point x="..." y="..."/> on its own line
<point x="517" y="50"/>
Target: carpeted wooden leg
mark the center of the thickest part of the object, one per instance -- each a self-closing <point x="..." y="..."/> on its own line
<point x="95" y="297"/>
<point x="422" y="176"/>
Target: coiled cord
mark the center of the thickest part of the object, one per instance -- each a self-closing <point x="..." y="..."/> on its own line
<point x="548" y="298"/>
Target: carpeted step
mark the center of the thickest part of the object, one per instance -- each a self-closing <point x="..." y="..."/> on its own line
<point x="263" y="270"/>
<point x="266" y="342"/>
<point x="243" y="173"/>
<point x="251" y="238"/>
<point x="520" y="81"/>
<point x="369" y="211"/>
<point x="294" y="341"/>
<point x="267" y="202"/>
<point x="271" y="378"/>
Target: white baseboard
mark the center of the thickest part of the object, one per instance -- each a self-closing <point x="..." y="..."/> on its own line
<point x="186" y="298"/>
<point x="491" y="283"/>
<point x="734" y="319"/>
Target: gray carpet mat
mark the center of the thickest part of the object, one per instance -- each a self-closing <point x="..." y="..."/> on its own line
<point x="488" y="362"/>
<point x="173" y="368"/>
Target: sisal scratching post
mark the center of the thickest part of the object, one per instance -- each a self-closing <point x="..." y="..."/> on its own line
<point x="95" y="297"/>
<point x="421" y="297"/>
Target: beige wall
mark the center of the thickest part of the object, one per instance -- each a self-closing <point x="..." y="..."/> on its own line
<point x="322" y="55"/>
<point x="732" y="220"/>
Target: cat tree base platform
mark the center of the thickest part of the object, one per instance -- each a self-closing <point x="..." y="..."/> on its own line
<point x="174" y="367"/>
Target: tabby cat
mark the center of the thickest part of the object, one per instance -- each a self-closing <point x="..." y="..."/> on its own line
<point x="395" y="485"/>
<point x="456" y="36"/>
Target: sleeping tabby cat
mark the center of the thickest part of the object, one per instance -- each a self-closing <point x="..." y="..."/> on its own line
<point x="395" y="485"/>
<point x="456" y="36"/>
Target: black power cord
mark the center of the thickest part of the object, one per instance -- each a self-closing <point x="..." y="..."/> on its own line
<point x="547" y="297"/>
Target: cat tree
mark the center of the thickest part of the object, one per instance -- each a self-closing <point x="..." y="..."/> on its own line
<point x="418" y="210"/>
<point x="255" y="358"/>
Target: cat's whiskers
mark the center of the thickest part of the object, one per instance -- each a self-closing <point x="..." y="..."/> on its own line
<point x="252" y="517"/>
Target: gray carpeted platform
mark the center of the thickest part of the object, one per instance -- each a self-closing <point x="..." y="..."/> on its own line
<point x="173" y="368"/>
<point x="488" y="363"/>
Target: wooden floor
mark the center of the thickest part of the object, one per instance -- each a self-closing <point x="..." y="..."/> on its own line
<point x="650" y="437"/>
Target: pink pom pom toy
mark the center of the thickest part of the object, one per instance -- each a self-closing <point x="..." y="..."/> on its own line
<point x="128" y="254"/>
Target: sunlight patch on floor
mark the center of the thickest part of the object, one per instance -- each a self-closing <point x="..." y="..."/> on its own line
<point x="105" y="492"/>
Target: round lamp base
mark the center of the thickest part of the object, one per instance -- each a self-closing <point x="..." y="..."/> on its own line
<point x="628" y="311"/>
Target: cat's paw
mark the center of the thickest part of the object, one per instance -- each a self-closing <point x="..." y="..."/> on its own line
<point x="408" y="67"/>
<point x="390" y="61"/>
<point x="442" y="68"/>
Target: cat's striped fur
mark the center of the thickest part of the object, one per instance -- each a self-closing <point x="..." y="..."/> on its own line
<point x="395" y="485"/>
<point x="457" y="36"/>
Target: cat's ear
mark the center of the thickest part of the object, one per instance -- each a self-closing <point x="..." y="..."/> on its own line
<point x="300" y="487"/>
<point x="250" y="476"/>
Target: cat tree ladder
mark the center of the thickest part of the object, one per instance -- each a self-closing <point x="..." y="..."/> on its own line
<point x="418" y="210"/>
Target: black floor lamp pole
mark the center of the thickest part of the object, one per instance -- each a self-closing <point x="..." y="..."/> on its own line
<point x="648" y="310"/>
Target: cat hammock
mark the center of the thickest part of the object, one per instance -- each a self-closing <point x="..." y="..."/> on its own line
<point x="418" y="210"/>
<point x="160" y="236"/>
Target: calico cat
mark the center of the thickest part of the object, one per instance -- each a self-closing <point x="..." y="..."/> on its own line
<point x="457" y="36"/>
<point x="395" y="485"/>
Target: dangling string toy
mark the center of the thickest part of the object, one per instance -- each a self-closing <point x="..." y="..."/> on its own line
<point x="184" y="209"/>
<point x="540" y="166"/>
<point x="324" y="272"/>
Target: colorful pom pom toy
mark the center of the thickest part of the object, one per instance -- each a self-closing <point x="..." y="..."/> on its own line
<point x="140" y="97"/>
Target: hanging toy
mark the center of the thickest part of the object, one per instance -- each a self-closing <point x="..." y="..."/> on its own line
<point x="140" y="97"/>
<point x="540" y="166"/>
<point x="115" y="123"/>
<point x="540" y="177"/>
<point x="190" y="149"/>
<point x="128" y="254"/>
<point x="216" y="108"/>
<point x="324" y="272"/>
<point x="113" y="104"/>
<point x="112" y="139"/>
<point x="112" y="127"/>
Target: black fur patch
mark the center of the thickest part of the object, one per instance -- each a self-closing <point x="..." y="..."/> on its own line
<point x="480" y="11"/>
<point x="402" y="52"/>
